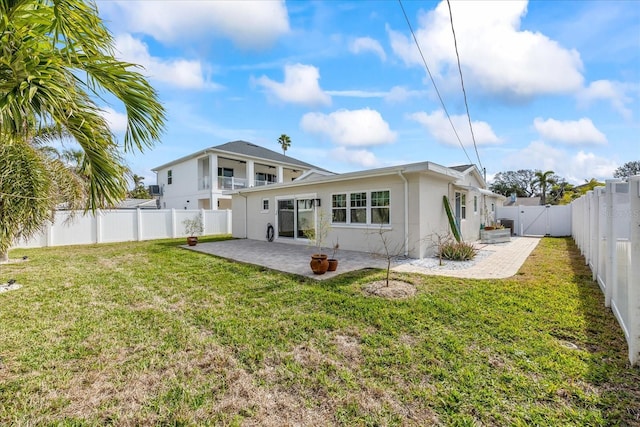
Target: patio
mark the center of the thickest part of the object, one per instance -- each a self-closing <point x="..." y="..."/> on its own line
<point x="502" y="260"/>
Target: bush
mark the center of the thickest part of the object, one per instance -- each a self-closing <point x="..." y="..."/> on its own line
<point x="457" y="251"/>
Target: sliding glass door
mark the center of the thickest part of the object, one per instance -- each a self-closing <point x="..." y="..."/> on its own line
<point x="295" y="218"/>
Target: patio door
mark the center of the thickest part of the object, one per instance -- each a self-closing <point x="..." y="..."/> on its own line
<point x="295" y="217"/>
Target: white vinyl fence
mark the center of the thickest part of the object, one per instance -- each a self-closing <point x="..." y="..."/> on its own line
<point x="538" y="220"/>
<point x="606" y="228"/>
<point x="125" y="225"/>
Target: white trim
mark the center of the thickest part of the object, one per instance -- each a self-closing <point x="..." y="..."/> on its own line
<point x="368" y="207"/>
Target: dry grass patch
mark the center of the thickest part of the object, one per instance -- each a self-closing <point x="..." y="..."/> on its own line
<point x="395" y="289"/>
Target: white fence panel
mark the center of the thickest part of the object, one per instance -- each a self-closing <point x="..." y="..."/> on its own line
<point x="538" y="220"/>
<point x="606" y="228"/>
<point x="124" y="225"/>
<point x="156" y="224"/>
<point x="118" y="226"/>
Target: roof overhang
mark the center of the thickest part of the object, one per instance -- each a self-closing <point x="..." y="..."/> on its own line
<point x="429" y="168"/>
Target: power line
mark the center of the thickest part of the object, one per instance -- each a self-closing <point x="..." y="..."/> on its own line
<point x="433" y="81"/>
<point x="464" y="92"/>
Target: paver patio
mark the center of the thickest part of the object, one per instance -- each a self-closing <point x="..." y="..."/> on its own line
<point x="504" y="262"/>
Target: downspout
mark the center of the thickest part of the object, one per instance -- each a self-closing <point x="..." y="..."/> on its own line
<point x="246" y="215"/>
<point x="406" y="213"/>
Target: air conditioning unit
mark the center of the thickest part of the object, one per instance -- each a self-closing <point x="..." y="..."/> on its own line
<point x="154" y="190"/>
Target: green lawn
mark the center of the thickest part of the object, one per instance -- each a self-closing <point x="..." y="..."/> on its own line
<point x="150" y="333"/>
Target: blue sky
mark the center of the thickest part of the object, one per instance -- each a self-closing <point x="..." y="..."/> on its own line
<point x="551" y="85"/>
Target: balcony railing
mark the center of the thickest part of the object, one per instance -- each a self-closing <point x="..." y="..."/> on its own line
<point x="231" y="183"/>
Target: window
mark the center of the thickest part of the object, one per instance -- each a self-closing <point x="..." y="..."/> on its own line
<point x="360" y="207"/>
<point x="380" y="207"/>
<point x="226" y="172"/>
<point x="463" y="206"/>
<point x="266" y="177"/>
<point x="475" y="204"/>
<point x="169" y="176"/>
<point x="339" y="208"/>
<point x="265" y="205"/>
<point x="358" y="211"/>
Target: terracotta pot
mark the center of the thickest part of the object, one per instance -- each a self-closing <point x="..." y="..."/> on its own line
<point x="192" y="240"/>
<point x="333" y="264"/>
<point x="319" y="263"/>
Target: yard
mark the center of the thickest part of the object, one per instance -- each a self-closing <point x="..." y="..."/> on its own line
<point x="149" y="333"/>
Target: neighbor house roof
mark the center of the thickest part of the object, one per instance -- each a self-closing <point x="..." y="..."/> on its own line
<point x="245" y="149"/>
<point x="522" y="201"/>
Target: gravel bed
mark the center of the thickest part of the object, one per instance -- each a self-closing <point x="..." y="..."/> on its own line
<point x="434" y="263"/>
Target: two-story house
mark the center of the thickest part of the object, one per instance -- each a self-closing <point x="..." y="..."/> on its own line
<point x="197" y="181"/>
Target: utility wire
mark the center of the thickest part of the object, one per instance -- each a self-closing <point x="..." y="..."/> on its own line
<point x="464" y="92"/>
<point x="433" y="81"/>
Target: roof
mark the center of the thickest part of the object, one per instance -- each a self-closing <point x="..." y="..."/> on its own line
<point x="522" y="201"/>
<point x="246" y="149"/>
<point x="422" y="167"/>
<point x="461" y="168"/>
<point x="137" y="203"/>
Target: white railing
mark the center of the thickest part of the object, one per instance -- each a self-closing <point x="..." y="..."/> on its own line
<point x="125" y="225"/>
<point x="606" y="228"/>
<point x="231" y="183"/>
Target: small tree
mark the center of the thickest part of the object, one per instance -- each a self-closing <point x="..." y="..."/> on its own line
<point x="285" y="143"/>
<point x="193" y="226"/>
<point x="389" y="250"/>
<point x="627" y="170"/>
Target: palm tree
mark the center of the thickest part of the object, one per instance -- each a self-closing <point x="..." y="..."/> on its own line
<point x="543" y="180"/>
<point x="285" y="142"/>
<point x="56" y="60"/>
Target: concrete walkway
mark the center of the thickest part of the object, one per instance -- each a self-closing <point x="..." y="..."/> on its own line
<point x="505" y="261"/>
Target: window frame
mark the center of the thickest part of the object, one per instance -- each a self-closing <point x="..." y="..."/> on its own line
<point x="351" y="204"/>
<point x="265" y="209"/>
<point x="169" y="176"/>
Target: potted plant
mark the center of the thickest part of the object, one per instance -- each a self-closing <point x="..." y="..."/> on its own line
<point x="333" y="262"/>
<point x="319" y="263"/>
<point x="193" y="227"/>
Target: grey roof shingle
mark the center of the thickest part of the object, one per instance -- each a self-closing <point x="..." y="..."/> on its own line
<point x="253" y="150"/>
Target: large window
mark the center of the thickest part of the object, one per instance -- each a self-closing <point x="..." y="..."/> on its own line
<point x="360" y="207"/>
<point x="169" y="176"/>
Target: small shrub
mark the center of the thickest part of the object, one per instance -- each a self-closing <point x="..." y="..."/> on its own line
<point x="457" y="251"/>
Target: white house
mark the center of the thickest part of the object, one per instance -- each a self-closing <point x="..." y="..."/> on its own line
<point x="197" y="181"/>
<point x="405" y="203"/>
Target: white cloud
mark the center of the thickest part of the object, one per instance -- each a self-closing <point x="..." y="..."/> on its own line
<point x="367" y="44"/>
<point x="182" y="73"/>
<point x="117" y="121"/>
<point x="350" y="127"/>
<point x="574" y="167"/>
<point x="364" y="158"/>
<point x="438" y="125"/>
<point x="494" y="52"/>
<point x="300" y="86"/>
<point x="399" y="94"/>
<point x="606" y="90"/>
<point x="249" y="24"/>
<point x="581" y="131"/>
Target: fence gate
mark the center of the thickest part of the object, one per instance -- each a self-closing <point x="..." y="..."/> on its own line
<point x="538" y="220"/>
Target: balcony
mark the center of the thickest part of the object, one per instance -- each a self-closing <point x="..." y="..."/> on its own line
<point x="231" y="183"/>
